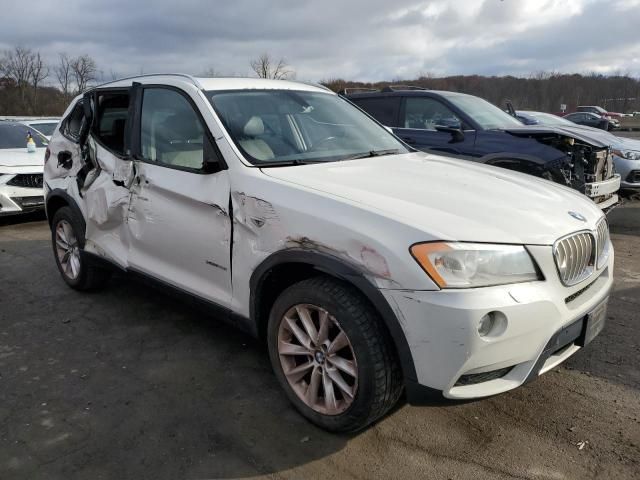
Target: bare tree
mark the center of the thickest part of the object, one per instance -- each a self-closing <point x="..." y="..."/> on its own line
<point x="211" y="72"/>
<point x="64" y="74"/>
<point x="84" y="71"/>
<point x="17" y="64"/>
<point x="266" y="67"/>
<point x="39" y="71"/>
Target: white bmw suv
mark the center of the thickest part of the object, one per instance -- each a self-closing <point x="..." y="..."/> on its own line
<point x="366" y="267"/>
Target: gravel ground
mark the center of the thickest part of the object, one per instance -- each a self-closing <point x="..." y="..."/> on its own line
<point x="628" y="134"/>
<point x="128" y="383"/>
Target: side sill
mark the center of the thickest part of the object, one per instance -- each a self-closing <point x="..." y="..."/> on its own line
<point x="215" y="310"/>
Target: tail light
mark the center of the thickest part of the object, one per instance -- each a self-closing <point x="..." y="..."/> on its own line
<point x="47" y="154"/>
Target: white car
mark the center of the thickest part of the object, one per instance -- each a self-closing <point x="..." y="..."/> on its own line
<point x="364" y="265"/>
<point x="45" y="126"/>
<point x="20" y="170"/>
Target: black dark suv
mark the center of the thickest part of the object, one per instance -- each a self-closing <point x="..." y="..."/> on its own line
<point x="471" y="128"/>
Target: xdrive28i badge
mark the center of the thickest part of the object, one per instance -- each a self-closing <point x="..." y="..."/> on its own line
<point x="577" y="216"/>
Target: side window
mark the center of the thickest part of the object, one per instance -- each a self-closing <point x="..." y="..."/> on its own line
<point x="427" y="114"/>
<point x="171" y="132"/>
<point x="111" y="120"/>
<point x="74" y="122"/>
<point x="385" y="110"/>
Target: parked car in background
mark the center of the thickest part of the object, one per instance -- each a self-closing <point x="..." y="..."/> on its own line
<point x="626" y="151"/>
<point x="20" y="170"/>
<point x="45" y="126"/>
<point x="590" y="120"/>
<point x="613" y="117"/>
<point x="471" y="128"/>
<point x="364" y="265"/>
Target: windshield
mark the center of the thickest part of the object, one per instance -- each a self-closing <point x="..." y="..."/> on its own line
<point x="45" y="128"/>
<point x="278" y="127"/>
<point x="14" y="135"/>
<point x="549" y="119"/>
<point x="487" y="115"/>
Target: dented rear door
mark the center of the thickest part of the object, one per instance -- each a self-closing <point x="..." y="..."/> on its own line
<point x="178" y="218"/>
<point x="106" y="173"/>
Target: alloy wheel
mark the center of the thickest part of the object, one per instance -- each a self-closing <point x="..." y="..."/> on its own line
<point x="317" y="359"/>
<point x="67" y="250"/>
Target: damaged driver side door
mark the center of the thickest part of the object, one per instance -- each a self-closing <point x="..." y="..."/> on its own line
<point x="179" y="224"/>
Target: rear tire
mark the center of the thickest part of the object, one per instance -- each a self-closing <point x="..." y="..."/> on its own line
<point x="67" y="238"/>
<point x="357" y="374"/>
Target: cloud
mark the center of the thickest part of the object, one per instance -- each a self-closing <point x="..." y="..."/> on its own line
<point x="366" y="40"/>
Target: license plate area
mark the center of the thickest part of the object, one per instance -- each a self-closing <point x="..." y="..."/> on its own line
<point x="593" y="324"/>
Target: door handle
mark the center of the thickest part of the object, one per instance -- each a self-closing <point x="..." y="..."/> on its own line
<point x="409" y="140"/>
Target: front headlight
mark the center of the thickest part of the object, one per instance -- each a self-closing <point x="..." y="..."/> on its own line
<point x="628" y="154"/>
<point x="468" y="265"/>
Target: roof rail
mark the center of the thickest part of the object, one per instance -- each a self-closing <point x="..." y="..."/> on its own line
<point x="183" y="75"/>
<point x="396" y="88"/>
<point x="349" y="91"/>
<point x="313" y="84"/>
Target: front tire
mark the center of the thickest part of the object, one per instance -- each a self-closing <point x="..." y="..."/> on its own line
<point x="67" y="238"/>
<point x="332" y="355"/>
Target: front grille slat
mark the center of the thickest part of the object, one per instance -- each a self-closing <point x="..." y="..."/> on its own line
<point x="602" y="242"/>
<point x="574" y="256"/>
<point x="27" y="180"/>
<point x="578" y="255"/>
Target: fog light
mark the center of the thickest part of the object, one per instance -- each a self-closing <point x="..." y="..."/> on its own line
<point x="486" y="324"/>
<point x="492" y="324"/>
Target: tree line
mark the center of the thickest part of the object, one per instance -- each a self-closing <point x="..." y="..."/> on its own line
<point x="31" y="86"/>
<point x="542" y="91"/>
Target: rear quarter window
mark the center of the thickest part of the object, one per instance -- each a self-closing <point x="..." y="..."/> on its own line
<point x="72" y="125"/>
<point x="112" y="113"/>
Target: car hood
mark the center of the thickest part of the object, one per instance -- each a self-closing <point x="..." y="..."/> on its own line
<point x="628" y="144"/>
<point x="450" y="199"/>
<point x="586" y="137"/>
<point x="603" y="136"/>
<point x="19" y="157"/>
<point x="598" y="135"/>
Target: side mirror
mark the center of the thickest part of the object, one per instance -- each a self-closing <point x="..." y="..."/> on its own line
<point x="457" y="135"/>
<point x="213" y="162"/>
<point x="212" y="165"/>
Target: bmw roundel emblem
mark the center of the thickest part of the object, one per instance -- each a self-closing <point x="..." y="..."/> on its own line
<point x="577" y="216"/>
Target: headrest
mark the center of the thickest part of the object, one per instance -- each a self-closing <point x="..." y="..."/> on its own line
<point x="254" y="127"/>
<point x="181" y="125"/>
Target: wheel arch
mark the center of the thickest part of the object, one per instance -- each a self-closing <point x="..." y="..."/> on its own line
<point x="58" y="198"/>
<point x="523" y="163"/>
<point x="307" y="264"/>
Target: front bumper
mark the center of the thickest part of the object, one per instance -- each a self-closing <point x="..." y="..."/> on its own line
<point x="451" y="357"/>
<point x="629" y="170"/>
<point x="604" y="193"/>
<point x="605" y="187"/>
<point x="15" y="200"/>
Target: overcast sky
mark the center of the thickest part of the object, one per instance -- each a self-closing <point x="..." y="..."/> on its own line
<point x="357" y="40"/>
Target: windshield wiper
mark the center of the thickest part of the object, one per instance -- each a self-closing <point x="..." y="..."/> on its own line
<point x="286" y="163"/>
<point x="373" y="153"/>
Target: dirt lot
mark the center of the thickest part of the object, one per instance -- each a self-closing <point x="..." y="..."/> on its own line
<point x="128" y="384"/>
